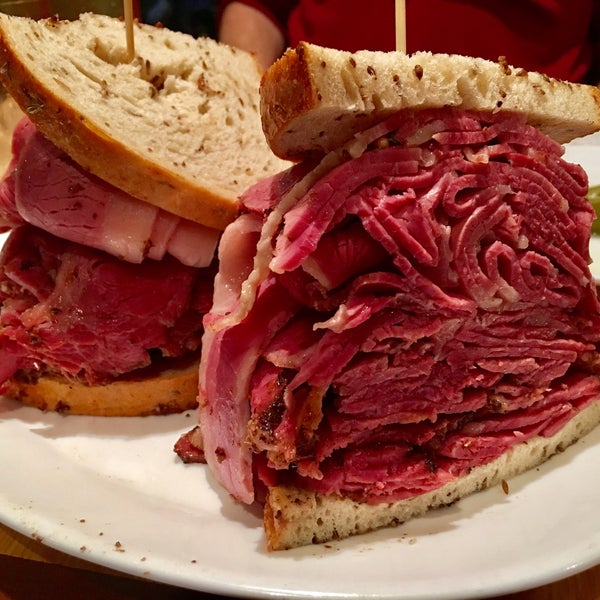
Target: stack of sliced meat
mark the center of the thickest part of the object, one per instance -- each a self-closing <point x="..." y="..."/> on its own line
<point x="93" y="283"/>
<point x="393" y="316"/>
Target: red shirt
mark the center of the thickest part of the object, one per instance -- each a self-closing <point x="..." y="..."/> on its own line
<point x="550" y="36"/>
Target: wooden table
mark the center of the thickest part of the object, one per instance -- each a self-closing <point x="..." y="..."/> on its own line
<point x="29" y="570"/>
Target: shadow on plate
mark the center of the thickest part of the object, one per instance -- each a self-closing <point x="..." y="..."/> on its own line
<point x="55" y="425"/>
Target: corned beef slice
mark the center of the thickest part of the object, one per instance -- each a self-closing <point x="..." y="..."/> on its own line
<point x="80" y="312"/>
<point x="431" y="305"/>
<point x="45" y="188"/>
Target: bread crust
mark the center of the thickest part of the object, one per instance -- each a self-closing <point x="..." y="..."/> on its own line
<point x="294" y="517"/>
<point x="107" y="158"/>
<point x="314" y="99"/>
<point x="166" y="391"/>
<point x="151" y="127"/>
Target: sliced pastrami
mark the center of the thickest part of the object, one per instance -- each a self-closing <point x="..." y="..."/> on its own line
<point x="431" y="305"/>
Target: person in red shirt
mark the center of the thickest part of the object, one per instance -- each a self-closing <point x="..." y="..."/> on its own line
<point x="557" y="37"/>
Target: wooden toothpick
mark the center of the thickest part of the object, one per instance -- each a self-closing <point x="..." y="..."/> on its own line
<point x="401" y="25"/>
<point x="128" y="13"/>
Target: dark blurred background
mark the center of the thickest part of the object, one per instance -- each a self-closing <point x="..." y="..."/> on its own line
<point x="196" y="17"/>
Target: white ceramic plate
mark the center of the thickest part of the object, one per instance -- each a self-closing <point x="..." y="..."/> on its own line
<point x="111" y="491"/>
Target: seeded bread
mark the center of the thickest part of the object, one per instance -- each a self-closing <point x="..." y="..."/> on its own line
<point x="313" y="99"/>
<point x="295" y="517"/>
<point x="178" y="127"/>
<point x="169" y="390"/>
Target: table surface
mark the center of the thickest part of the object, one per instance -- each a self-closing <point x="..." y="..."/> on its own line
<point x="30" y="570"/>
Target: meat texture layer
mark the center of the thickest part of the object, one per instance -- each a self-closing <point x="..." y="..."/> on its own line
<point x="80" y="313"/>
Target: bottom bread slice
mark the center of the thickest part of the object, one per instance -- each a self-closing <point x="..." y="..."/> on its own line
<point x="166" y="391"/>
<point x="294" y="517"/>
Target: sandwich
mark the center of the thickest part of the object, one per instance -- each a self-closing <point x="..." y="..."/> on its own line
<point x="123" y="175"/>
<point x="406" y="315"/>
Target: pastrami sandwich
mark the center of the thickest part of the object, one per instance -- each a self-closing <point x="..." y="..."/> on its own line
<point x="417" y="319"/>
<point x="124" y="173"/>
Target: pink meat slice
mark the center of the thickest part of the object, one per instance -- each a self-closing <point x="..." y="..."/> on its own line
<point x="80" y="312"/>
<point x="45" y="188"/>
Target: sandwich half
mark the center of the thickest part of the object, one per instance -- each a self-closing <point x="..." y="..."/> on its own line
<point x="123" y="175"/>
<point x="407" y="315"/>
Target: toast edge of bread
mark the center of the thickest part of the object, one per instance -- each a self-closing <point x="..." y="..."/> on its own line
<point x="294" y="517"/>
<point x="314" y="99"/>
<point x="171" y="390"/>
